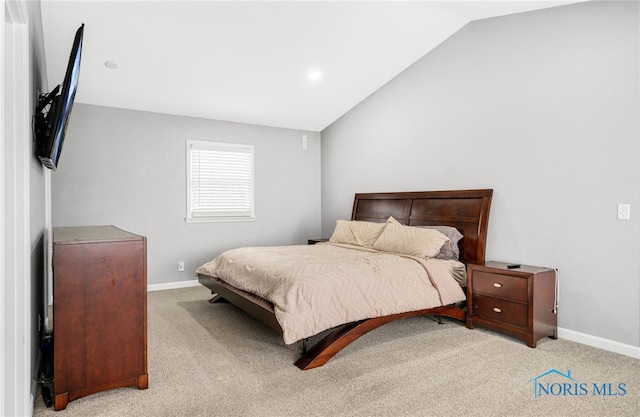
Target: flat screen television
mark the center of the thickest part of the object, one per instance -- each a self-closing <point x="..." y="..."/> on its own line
<point x="54" y="109"/>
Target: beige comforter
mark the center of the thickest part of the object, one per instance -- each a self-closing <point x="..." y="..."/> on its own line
<point x="316" y="287"/>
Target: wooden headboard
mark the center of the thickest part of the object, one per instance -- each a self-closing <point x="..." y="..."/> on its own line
<point x="466" y="210"/>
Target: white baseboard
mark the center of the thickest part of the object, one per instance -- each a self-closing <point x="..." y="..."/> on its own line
<point x="172" y="285"/>
<point x="600" y="343"/>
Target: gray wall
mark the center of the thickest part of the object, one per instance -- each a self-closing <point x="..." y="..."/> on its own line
<point x="542" y="107"/>
<point x="38" y="204"/>
<point x="127" y="168"/>
<point x="23" y="208"/>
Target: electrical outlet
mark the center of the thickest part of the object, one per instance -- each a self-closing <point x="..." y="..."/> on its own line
<point x="180" y="266"/>
<point x="624" y="211"/>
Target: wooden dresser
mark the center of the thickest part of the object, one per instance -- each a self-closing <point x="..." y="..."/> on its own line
<point x="519" y="302"/>
<point x="99" y="311"/>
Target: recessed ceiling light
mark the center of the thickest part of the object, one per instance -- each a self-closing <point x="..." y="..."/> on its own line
<point x="314" y="75"/>
<point x="112" y="65"/>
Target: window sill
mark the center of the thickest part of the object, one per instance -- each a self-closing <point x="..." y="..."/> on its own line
<point x="219" y="219"/>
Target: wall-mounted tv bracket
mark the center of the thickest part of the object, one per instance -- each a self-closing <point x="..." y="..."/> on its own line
<point x="46" y="102"/>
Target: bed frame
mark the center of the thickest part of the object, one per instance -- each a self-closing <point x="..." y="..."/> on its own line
<point x="467" y="210"/>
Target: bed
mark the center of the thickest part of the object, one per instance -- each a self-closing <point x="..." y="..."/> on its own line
<point x="465" y="210"/>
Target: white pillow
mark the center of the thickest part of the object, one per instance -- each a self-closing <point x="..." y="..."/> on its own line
<point x="421" y="243"/>
<point x="356" y="232"/>
<point x="343" y="233"/>
<point x="366" y="233"/>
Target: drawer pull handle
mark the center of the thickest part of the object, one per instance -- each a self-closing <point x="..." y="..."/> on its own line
<point x="497" y="285"/>
<point x="497" y="310"/>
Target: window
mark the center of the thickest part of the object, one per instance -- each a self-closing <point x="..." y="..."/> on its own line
<point x="219" y="181"/>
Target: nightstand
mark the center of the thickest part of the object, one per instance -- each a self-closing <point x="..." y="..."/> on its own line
<point x="314" y="241"/>
<point x="519" y="302"/>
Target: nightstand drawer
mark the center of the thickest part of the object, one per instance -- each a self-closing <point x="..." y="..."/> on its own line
<point x="520" y="302"/>
<point x="500" y="310"/>
<point x="503" y="286"/>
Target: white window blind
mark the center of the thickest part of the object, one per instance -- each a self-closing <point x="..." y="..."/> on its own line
<point x="220" y="181"/>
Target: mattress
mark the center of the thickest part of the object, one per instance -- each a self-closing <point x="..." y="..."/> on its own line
<point x="317" y="287"/>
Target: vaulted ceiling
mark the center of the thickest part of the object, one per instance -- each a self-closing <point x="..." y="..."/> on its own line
<point x="293" y="64"/>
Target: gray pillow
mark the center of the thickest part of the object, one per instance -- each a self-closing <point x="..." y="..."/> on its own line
<point x="450" y="249"/>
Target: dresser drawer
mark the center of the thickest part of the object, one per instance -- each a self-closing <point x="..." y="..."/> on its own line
<point x="500" y="310"/>
<point x="503" y="286"/>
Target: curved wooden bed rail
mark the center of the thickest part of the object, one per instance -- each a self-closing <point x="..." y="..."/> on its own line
<point x="344" y="335"/>
<point x="467" y="210"/>
<point x="329" y="346"/>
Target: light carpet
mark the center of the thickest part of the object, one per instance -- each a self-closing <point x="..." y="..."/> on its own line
<point x="214" y="360"/>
